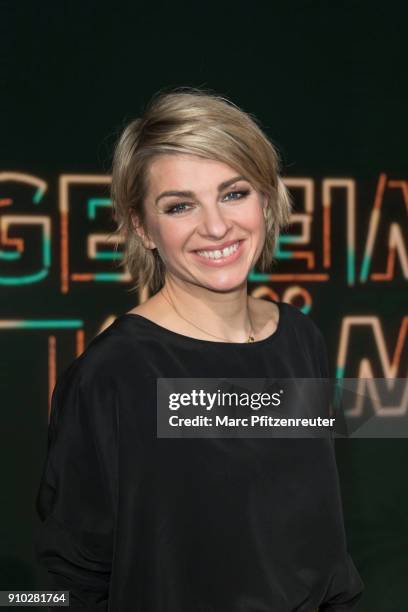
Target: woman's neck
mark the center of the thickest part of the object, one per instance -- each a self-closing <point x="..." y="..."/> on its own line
<point x="221" y="314"/>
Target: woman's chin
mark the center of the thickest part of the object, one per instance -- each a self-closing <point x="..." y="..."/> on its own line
<point x="225" y="282"/>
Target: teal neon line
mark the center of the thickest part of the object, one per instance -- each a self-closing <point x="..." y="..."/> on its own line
<point x="107" y="276"/>
<point x="47" y="252"/>
<point x="10" y="255"/>
<point x="290" y="239"/>
<point x="365" y="268"/>
<point x="340" y="372"/>
<point x="37" y="197"/>
<point x="284" y="254"/>
<point x="108" y="255"/>
<point x="337" y="396"/>
<point x="14" y="281"/>
<point x="14" y="255"/>
<point x="47" y="324"/>
<point x="258" y="277"/>
<point x="93" y="203"/>
<point x="351" y="267"/>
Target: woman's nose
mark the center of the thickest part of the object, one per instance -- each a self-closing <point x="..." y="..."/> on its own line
<point x="213" y="222"/>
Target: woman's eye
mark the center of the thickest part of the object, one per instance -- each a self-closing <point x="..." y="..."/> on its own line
<point x="181" y="207"/>
<point x="175" y="209"/>
<point x="242" y="194"/>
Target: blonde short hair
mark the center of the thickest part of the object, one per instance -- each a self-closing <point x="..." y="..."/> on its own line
<point x="193" y="121"/>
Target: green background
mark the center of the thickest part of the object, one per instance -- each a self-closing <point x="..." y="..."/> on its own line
<point x="327" y="80"/>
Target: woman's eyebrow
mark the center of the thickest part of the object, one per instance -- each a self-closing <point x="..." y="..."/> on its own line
<point x="190" y="194"/>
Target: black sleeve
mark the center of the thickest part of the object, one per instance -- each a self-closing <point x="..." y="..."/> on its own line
<point x="346" y="587"/>
<point x="345" y="590"/>
<point x="76" y="500"/>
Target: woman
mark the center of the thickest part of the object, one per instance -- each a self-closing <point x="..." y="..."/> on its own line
<point x="133" y="521"/>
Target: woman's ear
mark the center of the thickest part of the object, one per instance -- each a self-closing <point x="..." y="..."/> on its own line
<point x="138" y="227"/>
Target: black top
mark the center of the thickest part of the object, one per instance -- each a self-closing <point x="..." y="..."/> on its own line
<point x="136" y="523"/>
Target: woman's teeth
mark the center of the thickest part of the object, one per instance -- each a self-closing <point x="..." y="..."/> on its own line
<point x="219" y="254"/>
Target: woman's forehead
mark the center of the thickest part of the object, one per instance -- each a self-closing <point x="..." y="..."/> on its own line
<point x="189" y="172"/>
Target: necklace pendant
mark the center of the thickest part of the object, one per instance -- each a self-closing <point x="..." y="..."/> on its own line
<point x="250" y="339"/>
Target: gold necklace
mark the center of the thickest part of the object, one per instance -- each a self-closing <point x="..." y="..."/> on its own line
<point x="250" y="337"/>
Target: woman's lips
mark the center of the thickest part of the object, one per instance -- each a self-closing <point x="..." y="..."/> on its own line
<point x="222" y="261"/>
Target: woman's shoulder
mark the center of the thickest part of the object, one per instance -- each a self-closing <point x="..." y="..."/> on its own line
<point x="104" y="358"/>
<point x="302" y="322"/>
<point x="305" y="332"/>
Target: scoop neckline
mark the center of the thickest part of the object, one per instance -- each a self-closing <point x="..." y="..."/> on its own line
<point x="199" y="341"/>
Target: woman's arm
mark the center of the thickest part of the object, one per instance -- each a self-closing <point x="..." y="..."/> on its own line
<point x="76" y="501"/>
<point x="346" y="587"/>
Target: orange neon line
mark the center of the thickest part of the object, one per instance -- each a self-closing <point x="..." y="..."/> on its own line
<point x="79" y="341"/>
<point x="400" y="342"/>
<point x="307" y="255"/>
<point x="16" y="242"/>
<point x="293" y="277"/>
<point x="64" y="251"/>
<point x="326" y="237"/>
<point x="291" y="294"/>
<point x="403" y="185"/>
<point x="65" y="181"/>
<point x="375" y="216"/>
<point x="52" y="370"/>
<point x="374" y="324"/>
<point x="380" y="190"/>
<point x="388" y="274"/>
<point x="85" y="276"/>
<point x="264" y="291"/>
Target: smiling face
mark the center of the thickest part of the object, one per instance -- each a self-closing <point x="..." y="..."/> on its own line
<point x="214" y="208"/>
